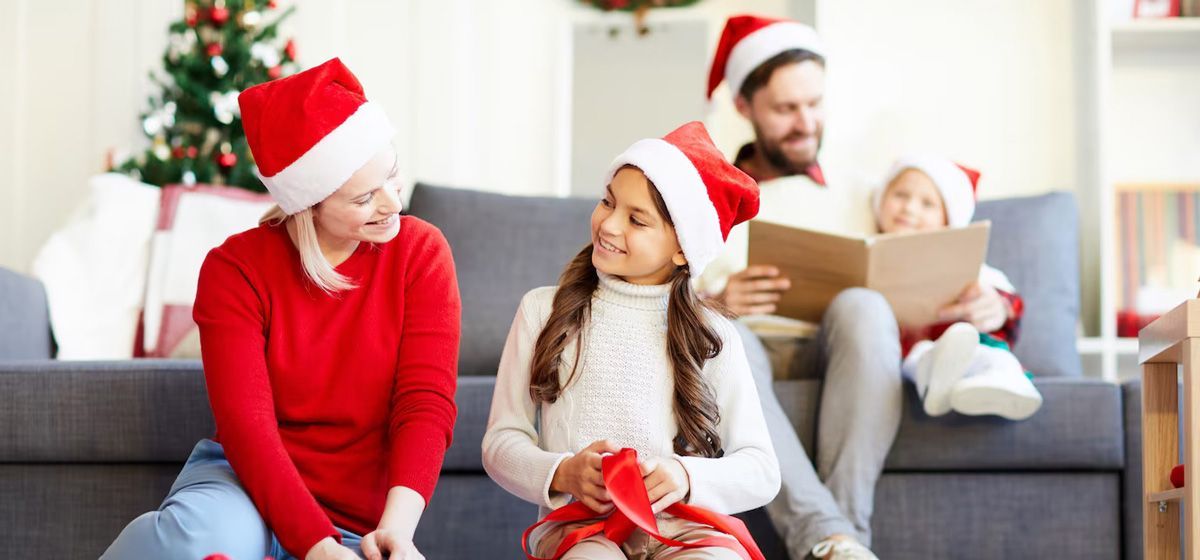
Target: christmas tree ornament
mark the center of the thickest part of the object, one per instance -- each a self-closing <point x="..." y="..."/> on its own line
<point x="190" y="15"/>
<point x="274" y="72"/>
<point x="152" y="124"/>
<point x="219" y="66"/>
<point x="218" y="14"/>
<point x="179" y="44"/>
<point x="290" y="49"/>
<point x="189" y="177"/>
<point x="214" y="49"/>
<point x="265" y="54"/>
<point x="250" y="20"/>
<point x="225" y="106"/>
<point x="161" y="150"/>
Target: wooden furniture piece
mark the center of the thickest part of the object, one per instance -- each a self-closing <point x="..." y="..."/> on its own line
<point x="1165" y="347"/>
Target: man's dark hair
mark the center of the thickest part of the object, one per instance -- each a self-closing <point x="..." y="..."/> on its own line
<point x="761" y="75"/>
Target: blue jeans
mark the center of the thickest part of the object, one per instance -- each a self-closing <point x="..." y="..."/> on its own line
<point x="207" y="511"/>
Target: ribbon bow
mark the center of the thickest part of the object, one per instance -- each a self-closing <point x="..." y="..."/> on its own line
<point x="623" y="479"/>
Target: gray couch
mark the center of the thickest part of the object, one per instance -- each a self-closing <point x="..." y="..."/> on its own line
<point x="85" y="447"/>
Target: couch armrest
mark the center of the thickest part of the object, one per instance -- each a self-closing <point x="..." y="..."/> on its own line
<point x="24" y="318"/>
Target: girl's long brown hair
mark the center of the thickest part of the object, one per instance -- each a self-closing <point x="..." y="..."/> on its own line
<point x="691" y="341"/>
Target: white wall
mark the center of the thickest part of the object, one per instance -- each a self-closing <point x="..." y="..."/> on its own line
<point x="987" y="83"/>
<point x="75" y="81"/>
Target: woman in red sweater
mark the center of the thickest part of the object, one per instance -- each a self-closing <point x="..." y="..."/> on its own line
<point x="330" y="341"/>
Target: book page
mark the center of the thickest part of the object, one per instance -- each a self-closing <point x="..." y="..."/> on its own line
<point x="919" y="273"/>
<point x="820" y="265"/>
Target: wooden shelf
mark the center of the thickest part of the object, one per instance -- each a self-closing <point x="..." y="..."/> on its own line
<point x="1172" y="495"/>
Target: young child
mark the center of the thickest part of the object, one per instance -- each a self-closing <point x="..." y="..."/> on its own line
<point x="965" y="365"/>
<point x="624" y="354"/>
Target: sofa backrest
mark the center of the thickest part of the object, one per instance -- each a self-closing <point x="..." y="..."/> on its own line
<point x="503" y="247"/>
<point x="24" y="319"/>
<point x="1035" y="241"/>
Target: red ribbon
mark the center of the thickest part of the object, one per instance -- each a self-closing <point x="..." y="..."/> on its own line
<point x="623" y="479"/>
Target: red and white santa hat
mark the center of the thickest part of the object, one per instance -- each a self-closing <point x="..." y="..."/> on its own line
<point x="748" y="41"/>
<point x="956" y="183"/>
<point x="704" y="193"/>
<point x="309" y="132"/>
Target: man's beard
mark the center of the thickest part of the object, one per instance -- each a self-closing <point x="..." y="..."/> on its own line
<point x="774" y="155"/>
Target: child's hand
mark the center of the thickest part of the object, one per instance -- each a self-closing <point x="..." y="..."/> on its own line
<point x="667" y="482"/>
<point x="580" y="476"/>
<point x="980" y="305"/>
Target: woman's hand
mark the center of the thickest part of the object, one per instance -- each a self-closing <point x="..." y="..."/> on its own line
<point x="393" y="543"/>
<point x="329" y="549"/>
<point x="666" y="481"/>
<point x="581" y="477"/>
<point x="980" y="305"/>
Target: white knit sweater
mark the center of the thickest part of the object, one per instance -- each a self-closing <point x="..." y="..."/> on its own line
<point x="623" y="392"/>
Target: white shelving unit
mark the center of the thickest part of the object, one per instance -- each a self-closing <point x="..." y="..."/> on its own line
<point x="1108" y="56"/>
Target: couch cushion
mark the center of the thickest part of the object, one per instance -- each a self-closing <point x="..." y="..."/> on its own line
<point x="1035" y="241"/>
<point x="998" y="516"/>
<point x="63" y="411"/>
<point x="503" y="247"/>
<point x="24" y="318"/>
<point x="75" y="511"/>
<point x="1078" y="427"/>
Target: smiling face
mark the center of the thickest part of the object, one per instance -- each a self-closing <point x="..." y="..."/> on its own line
<point x="911" y="202"/>
<point x="632" y="237"/>
<point x="366" y="207"/>
<point x="788" y="115"/>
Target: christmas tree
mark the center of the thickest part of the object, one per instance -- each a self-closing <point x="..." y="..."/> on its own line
<point x="219" y="49"/>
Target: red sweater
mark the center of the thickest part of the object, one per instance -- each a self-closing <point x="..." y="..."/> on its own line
<point x="323" y="403"/>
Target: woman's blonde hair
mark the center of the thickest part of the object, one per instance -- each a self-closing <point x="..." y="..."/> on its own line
<point x="316" y="267"/>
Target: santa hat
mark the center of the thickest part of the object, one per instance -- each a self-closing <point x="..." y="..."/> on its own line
<point x="705" y="194"/>
<point x="956" y="183"/>
<point x="748" y="41"/>
<point x="310" y="132"/>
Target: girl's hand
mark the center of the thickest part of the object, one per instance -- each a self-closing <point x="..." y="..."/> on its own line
<point x="329" y="549"/>
<point x="581" y="477"/>
<point x="667" y="482"/>
<point x="386" y="541"/>
<point x="980" y="305"/>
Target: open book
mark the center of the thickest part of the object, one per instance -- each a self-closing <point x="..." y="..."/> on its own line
<point x="918" y="273"/>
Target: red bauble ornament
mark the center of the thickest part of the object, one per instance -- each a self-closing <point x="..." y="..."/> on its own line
<point x="218" y="15"/>
<point x="213" y="49"/>
<point x="274" y="72"/>
<point x="290" y="50"/>
<point x="177" y="152"/>
<point x="191" y="152"/>
<point x="190" y="18"/>
<point x="227" y="160"/>
<point x="272" y="4"/>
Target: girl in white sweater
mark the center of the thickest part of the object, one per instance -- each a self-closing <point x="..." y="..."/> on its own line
<point x="622" y="353"/>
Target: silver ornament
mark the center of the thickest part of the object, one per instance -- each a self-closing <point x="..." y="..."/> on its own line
<point x="220" y="67"/>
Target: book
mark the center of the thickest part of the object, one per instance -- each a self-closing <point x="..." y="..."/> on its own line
<point x="918" y="273"/>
